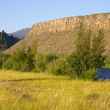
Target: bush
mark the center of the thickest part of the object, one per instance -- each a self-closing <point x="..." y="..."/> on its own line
<point x="3" y="58"/>
<point x="25" y="60"/>
<point x="43" y="60"/>
<point x="89" y="75"/>
<point x="16" y="64"/>
<point x="75" y="64"/>
<point x="39" y="63"/>
<point x="22" y="60"/>
<point x="60" y="67"/>
<point x="107" y="62"/>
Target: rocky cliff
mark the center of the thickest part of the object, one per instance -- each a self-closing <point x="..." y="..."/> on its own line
<point x="70" y="23"/>
<point x="58" y="36"/>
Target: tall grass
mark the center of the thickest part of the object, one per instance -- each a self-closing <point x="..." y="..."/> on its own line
<point x="49" y="92"/>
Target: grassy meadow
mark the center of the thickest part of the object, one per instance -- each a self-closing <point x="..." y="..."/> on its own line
<point x="41" y="91"/>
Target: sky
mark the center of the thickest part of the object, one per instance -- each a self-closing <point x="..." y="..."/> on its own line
<point x="18" y="14"/>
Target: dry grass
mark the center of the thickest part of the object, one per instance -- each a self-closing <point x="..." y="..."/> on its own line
<point x="49" y="92"/>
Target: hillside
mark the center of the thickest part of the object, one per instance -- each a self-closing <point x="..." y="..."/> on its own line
<point x="58" y="36"/>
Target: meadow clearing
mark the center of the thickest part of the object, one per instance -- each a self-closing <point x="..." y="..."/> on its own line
<point x="42" y="91"/>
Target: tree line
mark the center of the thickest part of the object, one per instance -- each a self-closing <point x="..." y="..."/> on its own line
<point x="82" y="63"/>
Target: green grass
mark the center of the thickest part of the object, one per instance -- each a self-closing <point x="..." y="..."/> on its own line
<point x="47" y="92"/>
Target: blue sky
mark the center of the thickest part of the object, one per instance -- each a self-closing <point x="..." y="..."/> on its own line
<point x="18" y="14"/>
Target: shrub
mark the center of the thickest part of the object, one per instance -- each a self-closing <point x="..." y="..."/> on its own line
<point x="75" y="64"/>
<point x="107" y="62"/>
<point x="89" y="75"/>
<point x="3" y="58"/>
<point x="43" y="60"/>
<point x="60" y="67"/>
<point x="39" y="63"/>
<point x="22" y="60"/>
<point x="8" y="64"/>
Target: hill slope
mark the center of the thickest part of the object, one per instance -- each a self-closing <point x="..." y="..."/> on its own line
<point x="58" y="36"/>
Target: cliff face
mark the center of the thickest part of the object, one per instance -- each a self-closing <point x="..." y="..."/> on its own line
<point x="70" y="23"/>
<point x="58" y="36"/>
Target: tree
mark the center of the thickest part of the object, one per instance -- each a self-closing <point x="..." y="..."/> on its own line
<point x="97" y="50"/>
<point x="43" y="60"/>
<point x="2" y="37"/>
<point x="89" y="50"/>
<point x="83" y="46"/>
<point x="3" y="59"/>
<point x="22" y="60"/>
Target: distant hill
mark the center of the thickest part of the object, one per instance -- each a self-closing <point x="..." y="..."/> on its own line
<point x="58" y="36"/>
<point x="21" y="33"/>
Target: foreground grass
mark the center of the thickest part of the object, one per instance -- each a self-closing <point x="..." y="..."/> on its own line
<point x="47" y="92"/>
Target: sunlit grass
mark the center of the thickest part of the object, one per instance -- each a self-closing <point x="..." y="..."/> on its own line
<point x="14" y="75"/>
<point x="47" y="92"/>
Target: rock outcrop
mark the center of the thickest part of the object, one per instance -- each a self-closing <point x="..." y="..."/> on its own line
<point x="58" y="36"/>
<point x="70" y="23"/>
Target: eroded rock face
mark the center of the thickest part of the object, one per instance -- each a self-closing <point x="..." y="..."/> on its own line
<point x="70" y="23"/>
<point x="58" y="36"/>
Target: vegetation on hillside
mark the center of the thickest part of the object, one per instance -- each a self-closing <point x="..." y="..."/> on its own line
<point x="80" y="64"/>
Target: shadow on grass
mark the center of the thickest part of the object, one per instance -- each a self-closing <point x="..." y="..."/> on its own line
<point x="33" y="79"/>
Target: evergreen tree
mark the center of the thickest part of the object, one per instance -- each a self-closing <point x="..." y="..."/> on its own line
<point x="2" y="37"/>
